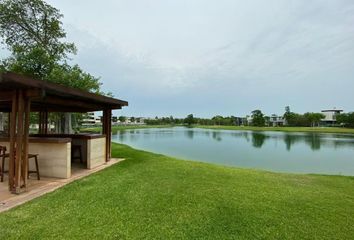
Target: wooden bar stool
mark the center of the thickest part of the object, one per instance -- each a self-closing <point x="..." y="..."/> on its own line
<point x="76" y="149"/>
<point x="35" y="157"/>
<point x="30" y="156"/>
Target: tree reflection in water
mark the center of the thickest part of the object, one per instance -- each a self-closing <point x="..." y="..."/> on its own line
<point x="217" y="136"/>
<point x="258" y="139"/>
<point x="314" y="141"/>
<point x="190" y="133"/>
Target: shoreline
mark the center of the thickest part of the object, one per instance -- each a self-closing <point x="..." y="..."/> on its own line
<point x="235" y="128"/>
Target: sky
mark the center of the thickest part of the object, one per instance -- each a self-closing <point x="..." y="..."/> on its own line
<point x="224" y="57"/>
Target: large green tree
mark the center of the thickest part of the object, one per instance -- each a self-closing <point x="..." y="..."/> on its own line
<point x="189" y="120"/>
<point x="346" y="119"/>
<point x="258" y="118"/>
<point x="33" y="33"/>
<point x="314" y="118"/>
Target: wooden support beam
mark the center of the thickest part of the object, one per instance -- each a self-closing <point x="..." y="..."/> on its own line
<point x="19" y="131"/>
<point x="25" y="143"/>
<point x="110" y="135"/>
<point x="6" y="96"/>
<point x="65" y="103"/>
<point x="34" y="94"/>
<point x="19" y="143"/>
<point x="107" y="129"/>
<point x="12" y="123"/>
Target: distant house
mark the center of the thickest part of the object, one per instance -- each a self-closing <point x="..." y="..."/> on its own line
<point x="330" y="116"/>
<point x="240" y="121"/>
<point x="249" y="120"/>
<point x="276" y="121"/>
<point x="140" y="120"/>
<point x="91" y="120"/>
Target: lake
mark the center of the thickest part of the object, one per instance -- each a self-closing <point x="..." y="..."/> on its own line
<point x="322" y="153"/>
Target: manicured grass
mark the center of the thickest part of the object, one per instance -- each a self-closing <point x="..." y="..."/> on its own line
<point x="282" y="129"/>
<point x="125" y="127"/>
<point x="151" y="196"/>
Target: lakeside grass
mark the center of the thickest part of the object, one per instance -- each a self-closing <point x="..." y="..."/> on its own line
<point x="281" y="129"/>
<point x="152" y="196"/>
<point x="125" y="127"/>
<point x="236" y="128"/>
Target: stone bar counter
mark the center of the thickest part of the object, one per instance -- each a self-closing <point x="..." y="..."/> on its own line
<point x="54" y="152"/>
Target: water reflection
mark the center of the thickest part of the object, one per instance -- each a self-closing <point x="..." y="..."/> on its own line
<point x="278" y="151"/>
<point x="217" y="136"/>
<point x="314" y="141"/>
<point x="258" y="139"/>
<point x="189" y="133"/>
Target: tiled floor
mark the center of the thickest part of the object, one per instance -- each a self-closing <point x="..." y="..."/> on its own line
<point x="37" y="188"/>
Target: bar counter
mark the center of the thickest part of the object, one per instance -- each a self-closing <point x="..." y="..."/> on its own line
<point x="55" y="152"/>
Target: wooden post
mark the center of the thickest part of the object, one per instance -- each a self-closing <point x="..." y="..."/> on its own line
<point x="107" y="129"/>
<point x="19" y="129"/>
<point x="19" y="137"/>
<point x="12" y="124"/>
<point x="25" y="142"/>
<point x="109" y="134"/>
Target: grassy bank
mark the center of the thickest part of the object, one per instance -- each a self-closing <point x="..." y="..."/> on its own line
<point x="125" y="127"/>
<point x="151" y="196"/>
<point x="282" y="129"/>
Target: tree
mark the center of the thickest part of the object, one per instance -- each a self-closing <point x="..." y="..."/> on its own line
<point x="33" y="33"/>
<point x="189" y="119"/>
<point x="314" y="118"/>
<point x="346" y="119"/>
<point x="258" y="118"/>
<point x="122" y="119"/>
<point x="218" y="120"/>
<point x="289" y="116"/>
<point x="266" y="120"/>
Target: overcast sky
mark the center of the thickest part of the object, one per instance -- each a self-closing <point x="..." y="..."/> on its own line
<point x="228" y="57"/>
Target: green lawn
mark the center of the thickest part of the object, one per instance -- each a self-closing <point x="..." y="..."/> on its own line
<point x="125" y="127"/>
<point x="151" y="196"/>
<point x="283" y="129"/>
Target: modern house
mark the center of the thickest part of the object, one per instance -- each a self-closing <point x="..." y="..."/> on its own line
<point x="91" y="120"/>
<point x="330" y="116"/>
<point x="276" y="121"/>
<point x="240" y="121"/>
<point x="249" y="120"/>
<point x="20" y="95"/>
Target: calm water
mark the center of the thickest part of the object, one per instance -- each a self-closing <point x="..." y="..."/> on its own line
<point x="275" y="151"/>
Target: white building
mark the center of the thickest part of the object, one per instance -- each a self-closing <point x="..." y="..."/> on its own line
<point x="330" y="116"/>
<point x="91" y="120"/>
<point x="276" y="121"/>
<point x="249" y="120"/>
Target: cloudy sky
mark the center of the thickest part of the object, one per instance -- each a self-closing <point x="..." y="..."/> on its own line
<point x="208" y="57"/>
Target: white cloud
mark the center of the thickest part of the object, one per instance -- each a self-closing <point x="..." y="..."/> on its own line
<point x="227" y="57"/>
